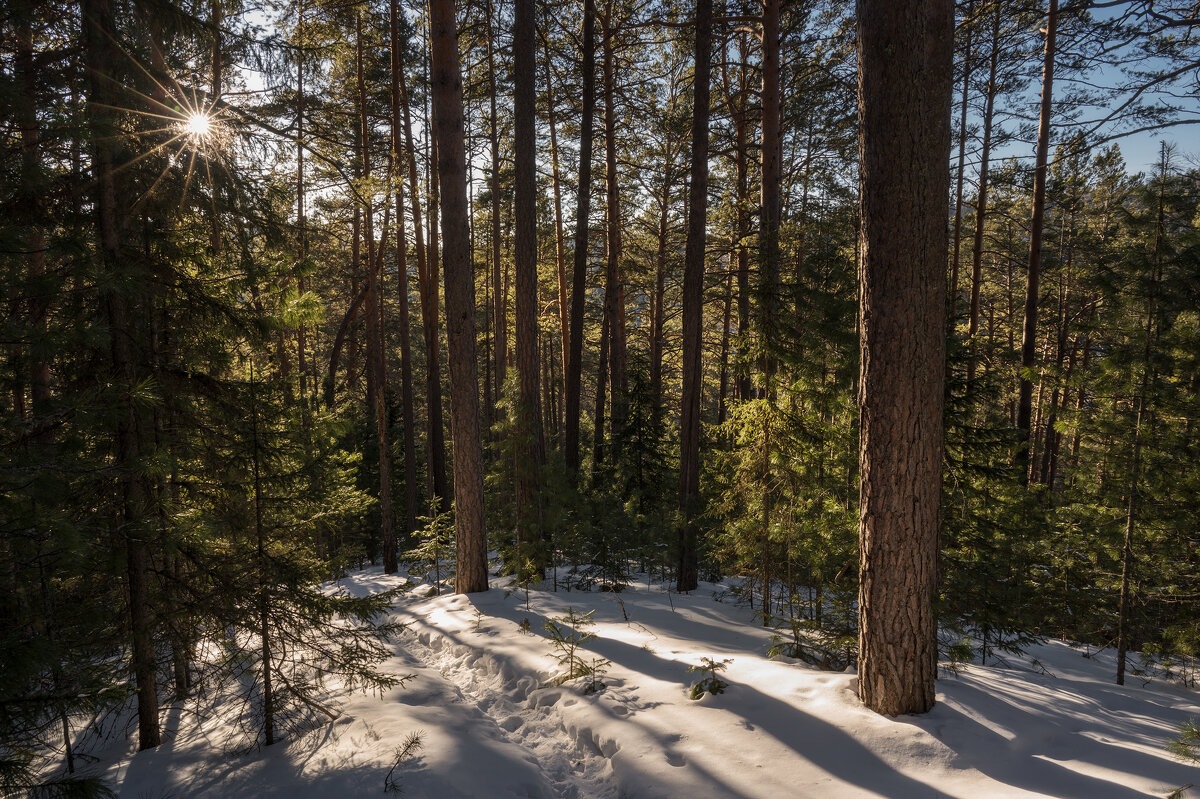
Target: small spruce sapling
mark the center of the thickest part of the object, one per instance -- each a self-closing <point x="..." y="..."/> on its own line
<point x="1186" y="747"/>
<point x="711" y="683"/>
<point x="435" y="553"/>
<point x="412" y="744"/>
<point x="567" y="635"/>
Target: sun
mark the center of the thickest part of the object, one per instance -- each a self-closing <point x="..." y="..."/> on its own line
<point x="198" y="125"/>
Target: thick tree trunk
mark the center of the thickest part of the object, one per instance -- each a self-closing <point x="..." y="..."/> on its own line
<point x="693" y="307"/>
<point x="1029" y="334"/>
<point x="598" y="407"/>
<point x="530" y="442"/>
<point x="446" y="84"/>
<point x="905" y="53"/>
<point x="99" y="37"/>
<point x="725" y="319"/>
<point x="582" y="216"/>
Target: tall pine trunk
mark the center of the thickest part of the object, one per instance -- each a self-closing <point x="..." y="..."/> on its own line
<point x="447" y="89"/>
<point x="614" y="293"/>
<point x="99" y="39"/>
<point x="693" y="308"/>
<point x="530" y="443"/>
<point x="1033" y="277"/>
<point x="905" y="54"/>
<point x="582" y="217"/>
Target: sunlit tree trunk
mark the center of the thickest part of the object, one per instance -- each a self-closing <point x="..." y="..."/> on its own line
<point x="905" y="54"/>
<point x="447" y="89"/>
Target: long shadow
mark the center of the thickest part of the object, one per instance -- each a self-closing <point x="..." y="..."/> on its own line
<point x="697" y="625"/>
<point x="815" y="740"/>
<point x="825" y="745"/>
<point x="1033" y="765"/>
<point x="715" y="784"/>
<point x="843" y="756"/>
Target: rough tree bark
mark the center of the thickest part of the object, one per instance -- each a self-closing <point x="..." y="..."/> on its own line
<point x="905" y="52"/>
<point x="447" y="89"/>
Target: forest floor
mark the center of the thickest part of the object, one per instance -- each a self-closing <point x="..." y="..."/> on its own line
<point x="492" y="724"/>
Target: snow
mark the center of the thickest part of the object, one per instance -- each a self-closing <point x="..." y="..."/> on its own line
<point x="494" y="724"/>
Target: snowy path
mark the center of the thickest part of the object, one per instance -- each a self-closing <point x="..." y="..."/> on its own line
<point x="781" y="729"/>
<point x="521" y="712"/>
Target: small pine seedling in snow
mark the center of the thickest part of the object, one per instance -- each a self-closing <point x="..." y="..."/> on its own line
<point x="712" y="683"/>
<point x="1185" y="747"/>
<point x="412" y="744"/>
<point x="567" y="635"/>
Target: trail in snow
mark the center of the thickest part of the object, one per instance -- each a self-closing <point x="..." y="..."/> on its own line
<point x="491" y="730"/>
<point x="523" y="712"/>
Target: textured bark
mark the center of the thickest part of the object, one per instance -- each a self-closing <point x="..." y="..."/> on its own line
<point x="447" y="88"/>
<point x="99" y="37"/>
<point x="725" y="319"/>
<point x="905" y="52"/>
<point x="406" y="391"/>
<point x="693" y="302"/>
<point x="1036" y="220"/>
<point x="582" y="216"/>
<point x="745" y="389"/>
<point x="598" y="406"/>
<point x="530" y="443"/>
<point x="301" y="219"/>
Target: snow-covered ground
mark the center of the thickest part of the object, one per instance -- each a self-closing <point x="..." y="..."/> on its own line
<point x="493" y="724"/>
